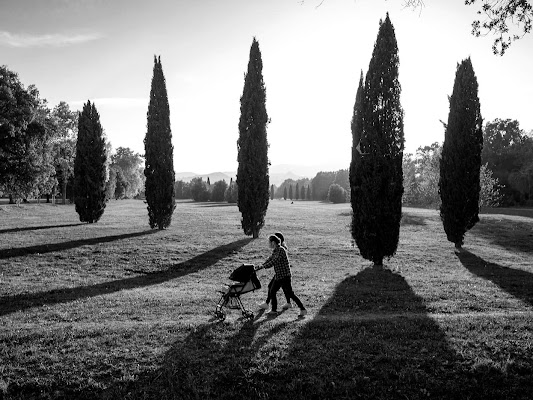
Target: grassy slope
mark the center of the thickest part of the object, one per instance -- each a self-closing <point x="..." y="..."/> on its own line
<point x="115" y="310"/>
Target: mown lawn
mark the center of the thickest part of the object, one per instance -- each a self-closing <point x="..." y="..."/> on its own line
<point x="115" y="310"/>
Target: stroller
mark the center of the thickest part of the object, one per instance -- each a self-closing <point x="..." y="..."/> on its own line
<point x="231" y="294"/>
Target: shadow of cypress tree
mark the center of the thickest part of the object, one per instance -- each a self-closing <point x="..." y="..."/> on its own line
<point x="52" y="247"/>
<point x="511" y="235"/>
<point x="10" y="304"/>
<point x="516" y="282"/>
<point x="361" y="345"/>
<point x="35" y="228"/>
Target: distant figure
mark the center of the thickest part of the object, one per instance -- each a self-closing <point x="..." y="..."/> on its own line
<point x="292" y="202"/>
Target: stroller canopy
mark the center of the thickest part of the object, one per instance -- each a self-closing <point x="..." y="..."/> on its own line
<point x="245" y="273"/>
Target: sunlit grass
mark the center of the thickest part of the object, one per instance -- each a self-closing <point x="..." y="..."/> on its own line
<point x="115" y="310"/>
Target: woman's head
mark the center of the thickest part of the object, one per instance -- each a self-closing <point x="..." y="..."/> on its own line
<point x="274" y="240"/>
<point x="280" y="236"/>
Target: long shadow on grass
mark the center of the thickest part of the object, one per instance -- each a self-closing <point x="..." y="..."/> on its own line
<point x="35" y="228"/>
<point x="373" y="339"/>
<point x="10" y="304"/>
<point x="511" y="235"/>
<point x="516" y="282"/>
<point x="50" y="248"/>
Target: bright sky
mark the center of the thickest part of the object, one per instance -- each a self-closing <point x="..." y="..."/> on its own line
<point x="103" y="50"/>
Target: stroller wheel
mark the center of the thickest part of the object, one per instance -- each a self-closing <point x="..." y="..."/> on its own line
<point x="248" y="314"/>
<point x="220" y="315"/>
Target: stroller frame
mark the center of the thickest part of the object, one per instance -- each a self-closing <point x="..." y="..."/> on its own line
<point x="231" y="295"/>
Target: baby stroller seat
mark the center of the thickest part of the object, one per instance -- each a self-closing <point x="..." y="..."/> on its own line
<point x="247" y="281"/>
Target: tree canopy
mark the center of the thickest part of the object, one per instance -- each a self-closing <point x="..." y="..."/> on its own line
<point x="460" y="163"/>
<point x="252" y="146"/>
<point x="377" y="152"/>
<point x="508" y="20"/>
<point x="159" y="163"/>
<point x="90" y="166"/>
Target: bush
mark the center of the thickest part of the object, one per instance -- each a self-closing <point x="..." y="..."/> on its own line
<point x="336" y="194"/>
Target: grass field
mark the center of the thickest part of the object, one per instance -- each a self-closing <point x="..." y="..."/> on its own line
<point x="115" y="310"/>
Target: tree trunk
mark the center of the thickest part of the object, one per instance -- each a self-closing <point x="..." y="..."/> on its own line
<point x="458" y="248"/>
<point x="11" y="201"/>
<point x="64" y="191"/>
<point x="378" y="262"/>
<point x="255" y="233"/>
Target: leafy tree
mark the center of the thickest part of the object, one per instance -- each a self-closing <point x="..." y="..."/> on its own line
<point x="489" y="195"/>
<point x="410" y="181"/>
<point x="122" y="184"/>
<point x="460" y="163"/>
<point x="64" y="144"/>
<point x="182" y="190"/>
<point x="508" y="151"/>
<point x="219" y="189"/>
<point x="342" y="178"/>
<point x="252" y="172"/>
<point x="336" y="194"/>
<point x="25" y="165"/>
<point x="428" y="174"/>
<point x="159" y="164"/>
<point x="130" y="164"/>
<point x="199" y="190"/>
<point x="231" y="192"/>
<point x="90" y="174"/>
<point x="321" y="183"/>
<point x="111" y="183"/>
<point x="498" y="16"/>
<point x="377" y="178"/>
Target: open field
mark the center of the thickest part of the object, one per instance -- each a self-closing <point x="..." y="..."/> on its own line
<point x="115" y="310"/>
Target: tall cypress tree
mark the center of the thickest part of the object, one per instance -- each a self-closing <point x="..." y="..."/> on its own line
<point x="252" y="145"/>
<point x="159" y="164"/>
<point x="376" y="176"/>
<point x="90" y="166"/>
<point x="460" y="161"/>
<point x="357" y="129"/>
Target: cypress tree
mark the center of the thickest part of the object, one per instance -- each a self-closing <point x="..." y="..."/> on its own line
<point x="460" y="162"/>
<point x="376" y="178"/>
<point x="252" y="145"/>
<point x="90" y="171"/>
<point x="159" y="164"/>
<point x="285" y="193"/>
<point x="271" y="192"/>
<point x="302" y="193"/>
<point x="297" y="192"/>
<point x="308" y="196"/>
